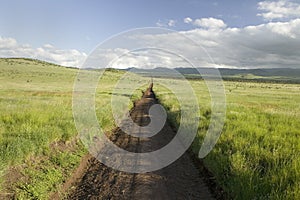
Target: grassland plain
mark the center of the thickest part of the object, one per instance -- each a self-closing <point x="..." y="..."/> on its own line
<point x="258" y="153"/>
<point x="257" y="156"/>
<point x="39" y="147"/>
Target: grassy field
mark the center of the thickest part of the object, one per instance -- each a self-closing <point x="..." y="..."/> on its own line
<point x="39" y="147"/>
<point x="256" y="157"/>
<point x="258" y="153"/>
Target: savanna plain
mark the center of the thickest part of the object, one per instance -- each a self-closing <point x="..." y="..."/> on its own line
<point x="256" y="157"/>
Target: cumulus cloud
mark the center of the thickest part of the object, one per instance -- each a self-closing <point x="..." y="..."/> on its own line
<point x="9" y="47"/>
<point x="210" y="23"/>
<point x="122" y="58"/>
<point x="171" y="23"/>
<point x="7" y="43"/>
<point x="266" y="45"/>
<point x="187" y="20"/>
<point x="279" y="9"/>
<point x="206" y="23"/>
<point x="269" y="45"/>
<point x="148" y="59"/>
<point x="48" y="46"/>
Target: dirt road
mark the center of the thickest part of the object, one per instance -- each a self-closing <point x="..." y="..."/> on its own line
<point x="180" y="180"/>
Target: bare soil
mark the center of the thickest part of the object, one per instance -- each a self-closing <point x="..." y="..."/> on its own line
<point x="180" y="180"/>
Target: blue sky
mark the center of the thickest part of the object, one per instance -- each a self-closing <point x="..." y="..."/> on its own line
<point x="83" y="24"/>
<point x="80" y="26"/>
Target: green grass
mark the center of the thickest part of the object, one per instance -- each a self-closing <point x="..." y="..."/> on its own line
<point x="46" y="173"/>
<point x="256" y="157"/>
<point x="258" y="153"/>
<point x="36" y="112"/>
<point x="35" y="103"/>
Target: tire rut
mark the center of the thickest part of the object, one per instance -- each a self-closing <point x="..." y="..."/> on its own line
<point x="179" y="180"/>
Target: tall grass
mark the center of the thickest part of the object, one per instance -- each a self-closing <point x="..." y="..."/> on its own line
<point x="256" y="157"/>
<point x="35" y="108"/>
<point x="258" y="153"/>
<point x="36" y="112"/>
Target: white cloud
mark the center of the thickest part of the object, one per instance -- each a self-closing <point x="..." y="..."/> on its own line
<point x="210" y="23"/>
<point x="166" y="23"/>
<point x="9" y="47"/>
<point x="272" y="44"/>
<point x="148" y="58"/>
<point x="171" y="23"/>
<point x="275" y="44"/>
<point x="7" y="43"/>
<point x="288" y="29"/>
<point x="206" y="23"/>
<point x="48" y="46"/>
<point x="187" y="20"/>
<point x="142" y="58"/>
<point x="267" y="45"/>
<point x="278" y="9"/>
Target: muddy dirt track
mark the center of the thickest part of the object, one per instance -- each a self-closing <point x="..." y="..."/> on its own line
<point x="180" y="180"/>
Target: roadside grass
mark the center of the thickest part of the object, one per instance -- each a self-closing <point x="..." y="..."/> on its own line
<point x="35" y="104"/>
<point x="258" y="154"/>
<point x="44" y="174"/>
<point x="36" y="113"/>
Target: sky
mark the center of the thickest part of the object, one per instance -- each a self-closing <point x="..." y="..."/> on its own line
<point x="236" y="34"/>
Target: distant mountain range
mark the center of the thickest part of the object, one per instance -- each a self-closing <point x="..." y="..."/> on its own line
<point x="265" y="74"/>
<point x="287" y="75"/>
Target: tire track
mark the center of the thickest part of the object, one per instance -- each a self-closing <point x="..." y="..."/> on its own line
<point x="179" y="180"/>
